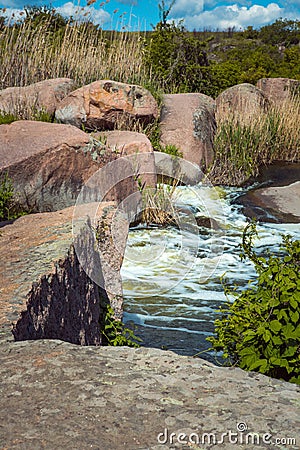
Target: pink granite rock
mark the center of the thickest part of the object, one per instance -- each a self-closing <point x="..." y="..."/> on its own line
<point x="131" y="143"/>
<point x="243" y="100"/>
<point x="277" y="90"/>
<point x="44" y="95"/>
<point x="101" y="104"/>
<point x="49" y="163"/>
<point x="188" y="122"/>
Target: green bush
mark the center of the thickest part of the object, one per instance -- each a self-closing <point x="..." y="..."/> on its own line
<point x="116" y="333"/>
<point x="176" y="58"/>
<point x="9" y="207"/>
<point x="7" y="118"/>
<point x="6" y="197"/>
<point x="260" y="330"/>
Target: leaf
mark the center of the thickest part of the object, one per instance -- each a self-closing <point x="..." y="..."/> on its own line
<point x="275" y="326"/>
<point x="262" y="364"/>
<point x="294" y="316"/>
<point x="290" y="351"/>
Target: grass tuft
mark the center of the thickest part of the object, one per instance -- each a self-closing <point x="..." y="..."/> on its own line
<point x="242" y="147"/>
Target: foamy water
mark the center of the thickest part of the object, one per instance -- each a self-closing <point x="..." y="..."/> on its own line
<point x="171" y="277"/>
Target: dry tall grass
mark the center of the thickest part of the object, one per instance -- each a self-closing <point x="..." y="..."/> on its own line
<point x="31" y="53"/>
<point x="242" y="147"/>
<point x="158" y="205"/>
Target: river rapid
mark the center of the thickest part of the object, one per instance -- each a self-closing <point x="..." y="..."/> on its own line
<point x="172" y="276"/>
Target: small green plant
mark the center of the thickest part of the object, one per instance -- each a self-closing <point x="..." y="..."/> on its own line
<point x="172" y="150"/>
<point x="260" y="330"/>
<point x="6" y="197"/>
<point x="116" y="333"/>
<point x="41" y="115"/>
<point x="243" y="144"/>
<point x="7" y="118"/>
<point x="9" y="207"/>
<point x="158" y="206"/>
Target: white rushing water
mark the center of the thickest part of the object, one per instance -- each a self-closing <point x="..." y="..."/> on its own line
<point x="171" y="277"/>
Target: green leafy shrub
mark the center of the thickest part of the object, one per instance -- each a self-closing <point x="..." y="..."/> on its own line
<point x="6" y="197"/>
<point x="175" y="57"/>
<point x="260" y="330"/>
<point x="116" y="333"/>
<point x="7" y="118"/>
<point x="9" y="207"/>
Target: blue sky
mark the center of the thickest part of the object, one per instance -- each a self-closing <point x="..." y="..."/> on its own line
<point x="196" y="14"/>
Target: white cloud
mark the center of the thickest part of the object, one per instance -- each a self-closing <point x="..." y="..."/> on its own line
<point x="97" y="16"/>
<point x="12" y="14"/>
<point x="223" y="17"/>
<point x="186" y="8"/>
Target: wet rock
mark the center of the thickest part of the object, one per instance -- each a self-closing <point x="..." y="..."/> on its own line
<point x="102" y="104"/>
<point x="278" y="90"/>
<point x="188" y="122"/>
<point x="44" y="95"/>
<point x="273" y="204"/>
<point x="207" y="222"/>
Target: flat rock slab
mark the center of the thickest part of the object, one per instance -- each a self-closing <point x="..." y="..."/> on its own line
<point x="57" y="395"/>
<point x="273" y="204"/>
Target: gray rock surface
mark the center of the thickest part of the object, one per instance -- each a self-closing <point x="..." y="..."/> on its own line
<point x="188" y="122"/>
<point x="55" y="395"/>
<point x="273" y="204"/>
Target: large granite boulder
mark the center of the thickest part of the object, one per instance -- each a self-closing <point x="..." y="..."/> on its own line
<point x="243" y="101"/>
<point x="44" y="95"/>
<point x="102" y="104"/>
<point x="188" y="122"/>
<point x="47" y="291"/>
<point x="50" y="163"/>
<point x="278" y="90"/>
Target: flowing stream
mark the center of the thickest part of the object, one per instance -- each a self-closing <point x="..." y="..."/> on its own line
<point x="172" y="276"/>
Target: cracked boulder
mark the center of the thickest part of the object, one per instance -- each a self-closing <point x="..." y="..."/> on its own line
<point x="57" y="277"/>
